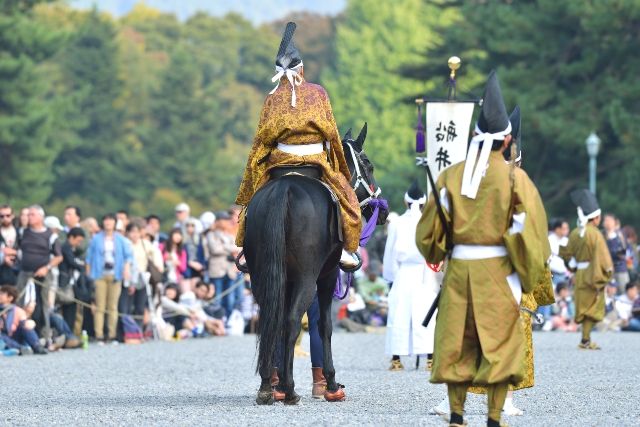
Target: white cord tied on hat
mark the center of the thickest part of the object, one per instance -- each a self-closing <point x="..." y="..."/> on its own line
<point x="472" y="176"/>
<point x="292" y="75"/>
<point x="584" y="219"/>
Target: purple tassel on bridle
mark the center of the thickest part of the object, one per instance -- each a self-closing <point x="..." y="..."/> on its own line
<point x="365" y="235"/>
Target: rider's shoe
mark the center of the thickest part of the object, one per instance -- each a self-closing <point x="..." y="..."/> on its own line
<point x="319" y="383"/>
<point x="348" y="260"/>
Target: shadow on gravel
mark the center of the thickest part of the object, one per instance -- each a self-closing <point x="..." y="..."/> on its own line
<point x="157" y="401"/>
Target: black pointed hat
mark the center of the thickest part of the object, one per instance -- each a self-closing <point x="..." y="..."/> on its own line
<point x="515" y="120"/>
<point x="288" y="55"/>
<point x="493" y="116"/>
<point x="414" y="193"/>
<point x="587" y="202"/>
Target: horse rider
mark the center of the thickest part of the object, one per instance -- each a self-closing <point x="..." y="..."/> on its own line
<point x="297" y="128"/>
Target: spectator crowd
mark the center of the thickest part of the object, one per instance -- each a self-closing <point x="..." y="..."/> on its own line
<point x="121" y="279"/>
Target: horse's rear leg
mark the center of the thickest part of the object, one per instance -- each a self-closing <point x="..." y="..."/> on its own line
<point x="326" y="287"/>
<point x="265" y="393"/>
<point x="302" y="293"/>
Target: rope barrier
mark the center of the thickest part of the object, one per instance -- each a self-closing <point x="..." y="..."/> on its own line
<point x="107" y="311"/>
<point x="119" y="314"/>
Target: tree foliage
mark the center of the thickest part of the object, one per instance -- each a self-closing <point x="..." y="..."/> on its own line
<point x="374" y="41"/>
<point x="26" y="148"/>
<point x="146" y="110"/>
<point x="572" y="69"/>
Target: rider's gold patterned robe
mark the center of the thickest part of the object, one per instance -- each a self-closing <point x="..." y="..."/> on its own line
<point x="310" y="121"/>
<point x="591" y="281"/>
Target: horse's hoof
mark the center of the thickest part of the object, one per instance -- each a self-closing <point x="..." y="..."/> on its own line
<point x="335" y="396"/>
<point x="265" y="398"/>
<point x="292" y="400"/>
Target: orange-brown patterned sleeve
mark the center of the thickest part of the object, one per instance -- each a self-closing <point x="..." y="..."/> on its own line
<point x="257" y="153"/>
<point x="330" y="131"/>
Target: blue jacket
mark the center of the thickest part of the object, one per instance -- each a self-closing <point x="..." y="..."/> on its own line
<point x="95" y="255"/>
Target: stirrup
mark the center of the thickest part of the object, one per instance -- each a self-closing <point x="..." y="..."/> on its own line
<point x="352" y="269"/>
<point x="243" y="268"/>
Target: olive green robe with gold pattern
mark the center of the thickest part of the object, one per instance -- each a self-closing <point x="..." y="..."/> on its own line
<point x="479" y="332"/>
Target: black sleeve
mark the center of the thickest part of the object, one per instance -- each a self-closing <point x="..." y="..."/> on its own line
<point x="56" y="249"/>
<point x="70" y="258"/>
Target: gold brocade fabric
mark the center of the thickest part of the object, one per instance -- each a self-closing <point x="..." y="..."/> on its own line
<point x="591" y="281"/>
<point x="494" y="349"/>
<point x="311" y="121"/>
<point x="529" y="302"/>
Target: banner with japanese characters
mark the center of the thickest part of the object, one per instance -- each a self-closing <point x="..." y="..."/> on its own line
<point x="447" y="134"/>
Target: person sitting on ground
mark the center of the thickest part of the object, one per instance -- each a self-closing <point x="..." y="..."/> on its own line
<point x="16" y="329"/>
<point x="173" y="314"/>
<point x="563" y="310"/>
<point x="205" y="294"/>
<point x="180" y="310"/>
<point x="374" y="290"/>
<point x="624" y="308"/>
<point x="611" y="321"/>
<point x="203" y="323"/>
<point x="63" y="336"/>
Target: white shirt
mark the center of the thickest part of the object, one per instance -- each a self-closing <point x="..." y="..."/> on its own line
<point x="109" y="251"/>
<point x="9" y="235"/>
<point x="624" y="307"/>
<point x="557" y="264"/>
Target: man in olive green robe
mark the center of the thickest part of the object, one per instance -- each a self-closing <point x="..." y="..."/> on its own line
<point x="497" y="223"/>
<point x="587" y="254"/>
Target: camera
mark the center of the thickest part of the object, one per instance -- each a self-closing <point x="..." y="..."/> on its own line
<point x="108" y="266"/>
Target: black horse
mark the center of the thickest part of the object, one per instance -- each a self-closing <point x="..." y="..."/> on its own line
<point x="292" y="249"/>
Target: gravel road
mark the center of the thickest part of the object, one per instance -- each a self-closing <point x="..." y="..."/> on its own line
<point x="212" y="382"/>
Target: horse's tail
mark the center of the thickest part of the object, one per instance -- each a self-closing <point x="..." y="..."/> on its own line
<point x="270" y="293"/>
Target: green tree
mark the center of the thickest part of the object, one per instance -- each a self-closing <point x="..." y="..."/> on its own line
<point x="374" y="41"/>
<point x="572" y="67"/>
<point x="26" y="149"/>
<point x="97" y="162"/>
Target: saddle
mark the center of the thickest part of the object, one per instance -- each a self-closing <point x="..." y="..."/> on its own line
<point x="313" y="172"/>
<point x="310" y="171"/>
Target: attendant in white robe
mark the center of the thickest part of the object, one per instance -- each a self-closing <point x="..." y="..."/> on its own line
<point x="414" y="288"/>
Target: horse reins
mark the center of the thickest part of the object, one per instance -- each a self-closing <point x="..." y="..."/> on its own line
<point x="360" y="180"/>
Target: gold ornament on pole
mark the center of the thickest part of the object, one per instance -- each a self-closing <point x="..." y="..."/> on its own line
<point x="454" y="63"/>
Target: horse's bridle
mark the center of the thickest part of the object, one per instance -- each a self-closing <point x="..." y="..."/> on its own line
<point x="360" y="179"/>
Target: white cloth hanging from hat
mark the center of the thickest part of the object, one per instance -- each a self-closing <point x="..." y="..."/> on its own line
<point x="292" y="75"/>
<point x="473" y="172"/>
<point x="584" y="219"/>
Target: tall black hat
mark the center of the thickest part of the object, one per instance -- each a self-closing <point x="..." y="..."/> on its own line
<point x="586" y="201"/>
<point x="415" y="194"/>
<point x="515" y="120"/>
<point x="493" y="116"/>
<point x="493" y="124"/>
<point x="288" y="55"/>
